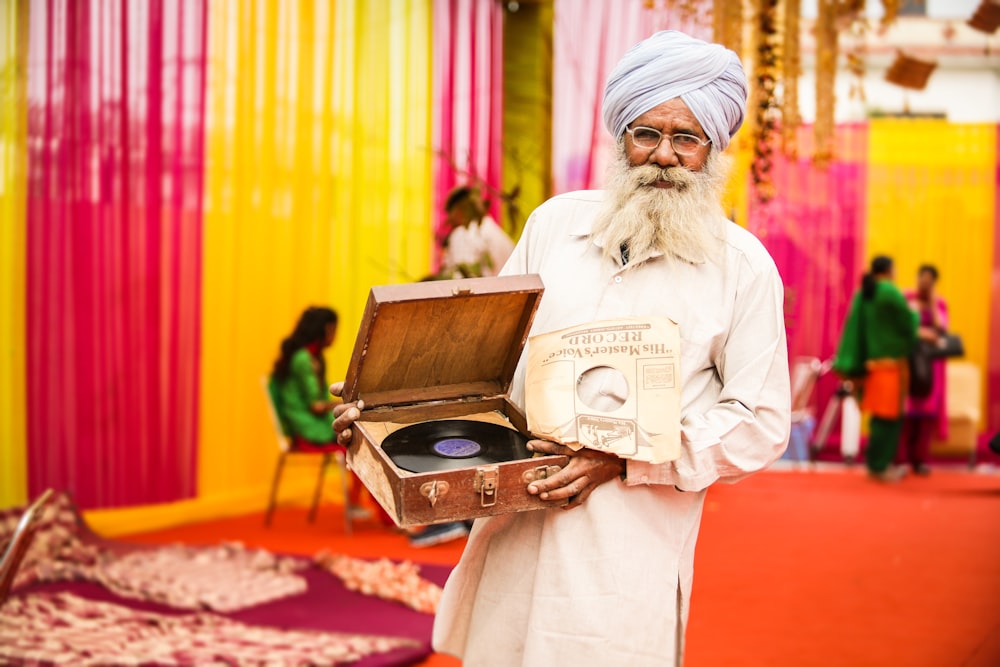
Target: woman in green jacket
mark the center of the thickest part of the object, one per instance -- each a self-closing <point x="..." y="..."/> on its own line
<point x="878" y="336"/>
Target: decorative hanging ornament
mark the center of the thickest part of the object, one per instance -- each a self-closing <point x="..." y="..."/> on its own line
<point x="909" y="72"/>
<point x="987" y="17"/>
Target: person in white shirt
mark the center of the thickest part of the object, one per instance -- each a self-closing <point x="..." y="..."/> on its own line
<point x="607" y="580"/>
<point x="475" y="246"/>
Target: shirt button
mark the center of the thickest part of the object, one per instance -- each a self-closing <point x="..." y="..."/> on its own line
<point x="618" y="279"/>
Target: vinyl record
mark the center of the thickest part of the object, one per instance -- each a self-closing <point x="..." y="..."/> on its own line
<point x="453" y="443"/>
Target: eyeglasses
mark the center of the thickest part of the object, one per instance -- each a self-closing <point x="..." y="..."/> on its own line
<point x="649" y="139"/>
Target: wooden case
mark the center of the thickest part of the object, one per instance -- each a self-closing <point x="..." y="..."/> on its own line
<point x="443" y="350"/>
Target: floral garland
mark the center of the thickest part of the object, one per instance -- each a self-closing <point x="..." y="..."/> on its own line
<point x="826" y="73"/>
<point x="791" y="68"/>
<point x="765" y="100"/>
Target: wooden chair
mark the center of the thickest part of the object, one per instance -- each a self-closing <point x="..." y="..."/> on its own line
<point x="285" y="447"/>
<point x="19" y="542"/>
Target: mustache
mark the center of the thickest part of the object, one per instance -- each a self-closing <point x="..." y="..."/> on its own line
<point x="648" y="174"/>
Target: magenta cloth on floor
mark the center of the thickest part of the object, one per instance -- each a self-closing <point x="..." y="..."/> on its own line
<point x="325" y="606"/>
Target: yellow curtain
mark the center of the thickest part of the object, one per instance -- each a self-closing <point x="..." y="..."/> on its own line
<point x="931" y="199"/>
<point x="318" y="186"/>
<point x="736" y="196"/>
<point x="13" y="247"/>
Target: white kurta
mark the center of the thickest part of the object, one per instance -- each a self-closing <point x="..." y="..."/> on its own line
<point x="607" y="583"/>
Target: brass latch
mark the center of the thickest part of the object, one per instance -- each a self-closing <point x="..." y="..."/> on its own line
<point x="485" y="483"/>
<point x="433" y="490"/>
<point x="541" y="472"/>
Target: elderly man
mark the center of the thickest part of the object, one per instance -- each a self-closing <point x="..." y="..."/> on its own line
<point x="607" y="581"/>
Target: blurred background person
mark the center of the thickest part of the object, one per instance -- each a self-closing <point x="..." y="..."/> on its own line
<point x="475" y="245"/>
<point x="925" y="410"/>
<point x="878" y="337"/>
<point x="298" y="379"/>
<point x="298" y="390"/>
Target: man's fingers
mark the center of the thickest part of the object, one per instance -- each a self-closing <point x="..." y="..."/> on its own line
<point x="345" y="415"/>
<point x="555" y="488"/>
<point x="578" y="499"/>
<point x="337" y="389"/>
<point x="558" y="480"/>
<point x="548" y="447"/>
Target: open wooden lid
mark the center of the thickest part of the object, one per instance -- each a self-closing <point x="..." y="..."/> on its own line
<point x="441" y="340"/>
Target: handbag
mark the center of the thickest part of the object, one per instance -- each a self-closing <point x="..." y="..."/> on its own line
<point x="922" y="369"/>
<point x="950" y="345"/>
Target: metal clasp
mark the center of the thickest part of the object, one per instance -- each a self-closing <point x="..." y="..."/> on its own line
<point x="485" y="483"/>
<point x="541" y="472"/>
<point x="461" y="291"/>
<point x="433" y="490"/>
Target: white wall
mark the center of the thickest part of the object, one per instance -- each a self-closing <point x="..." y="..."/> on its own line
<point x="965" y="86"/>
<point x="963" y="95"/>
<point x="941" y="9"/>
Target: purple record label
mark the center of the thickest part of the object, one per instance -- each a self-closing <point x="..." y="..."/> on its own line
<point x="457" y="448"/>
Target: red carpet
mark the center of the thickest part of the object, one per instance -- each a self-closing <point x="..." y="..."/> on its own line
<point x="793" y="568"/>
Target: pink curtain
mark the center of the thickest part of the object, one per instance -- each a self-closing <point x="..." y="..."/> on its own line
<point x="590" y="37"/>
<point x="814" y="229"/>
<point x="468" y="100"/>
<point x="115" y="93"/>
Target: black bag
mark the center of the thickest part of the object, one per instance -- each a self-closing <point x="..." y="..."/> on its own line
<point x="922" y="369"/>
<point x="950" y="345"/>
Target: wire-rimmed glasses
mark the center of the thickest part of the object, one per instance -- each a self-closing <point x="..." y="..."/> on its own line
<point x="649" y="139"/>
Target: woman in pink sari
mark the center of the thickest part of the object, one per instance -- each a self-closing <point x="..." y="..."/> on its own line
<point x="926" y="416"/>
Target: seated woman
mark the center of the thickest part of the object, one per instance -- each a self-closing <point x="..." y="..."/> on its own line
<point x="298" y="389"/>
<point x="298" y="381"/>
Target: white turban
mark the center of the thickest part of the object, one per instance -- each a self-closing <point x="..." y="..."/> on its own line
<point x="707" y="77"/>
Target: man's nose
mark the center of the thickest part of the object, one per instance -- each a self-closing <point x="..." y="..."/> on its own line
<point x="664" y="155"/>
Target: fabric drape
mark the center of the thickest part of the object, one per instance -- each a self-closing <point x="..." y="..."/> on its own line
<point x="814" y="228"/>
<point x="318" y="186"/>
<point x="13" y="163"/>
<point x="527" y="112"/>
<point x="993" y="344"/>
<point x="114" y="248"/>
<point x="468" y="101"/>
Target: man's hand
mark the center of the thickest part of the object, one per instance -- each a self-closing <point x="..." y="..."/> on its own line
<point x="587" y="469"/>
<point x="345" y="414"/>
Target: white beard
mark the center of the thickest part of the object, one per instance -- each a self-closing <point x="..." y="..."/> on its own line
<point x="684" y="221"/>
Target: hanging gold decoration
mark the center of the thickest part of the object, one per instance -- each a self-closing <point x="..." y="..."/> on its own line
<point x="890" y="9"/>
<point x="765" y="76"/>
<point x="856" y="66"/>
<point x="727" y="24"/>
<point x="791" y="69"/>
<point x="826" y="73"/>
<point x="689" y="10"/>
